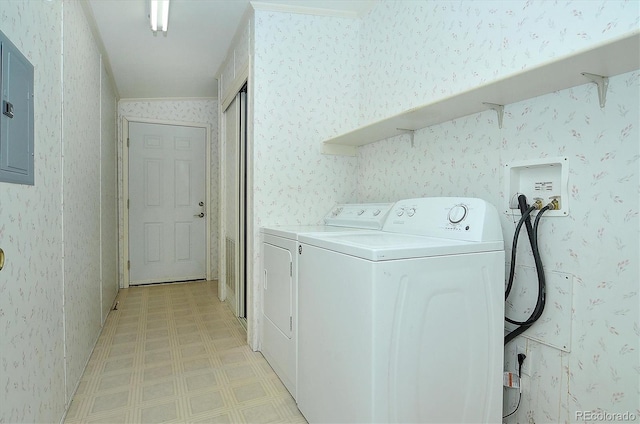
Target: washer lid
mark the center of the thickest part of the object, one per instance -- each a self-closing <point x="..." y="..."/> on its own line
<point x="384" y="246"/>
<point x="293" y="231"/>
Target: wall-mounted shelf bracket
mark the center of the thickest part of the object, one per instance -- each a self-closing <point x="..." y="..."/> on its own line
<point x="603" y="84"/>
<point x="411" y="134"/>
<point x="499" y="110"/>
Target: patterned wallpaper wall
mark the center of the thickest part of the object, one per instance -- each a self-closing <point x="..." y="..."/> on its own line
<point x="109" y="196"/>
<point x="57" y="220"/>
<point x="598" y="242"/>
<point x="315" y="77"/>
<point x="198" y="111"/>
<point x="305" y="90"/>
<point x="31" y="321"/>
<point x="81" y="216"/>
<point x="413" y="52"/>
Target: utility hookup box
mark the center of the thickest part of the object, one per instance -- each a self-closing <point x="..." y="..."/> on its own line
<point x="16" y="115"/>
<point x="546" y="179"/>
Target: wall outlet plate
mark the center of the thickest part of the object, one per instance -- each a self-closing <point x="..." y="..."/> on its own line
<point x="544" y="179"/>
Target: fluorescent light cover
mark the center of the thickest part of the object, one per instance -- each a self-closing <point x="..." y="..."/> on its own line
<point x="159" y="14"/>
<point x="154" y="15"/>
<point x="165" y="15"/>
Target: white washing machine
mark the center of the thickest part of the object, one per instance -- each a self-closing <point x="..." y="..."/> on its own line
<point x="404" y="325"/>
<point x="279" y="280"/>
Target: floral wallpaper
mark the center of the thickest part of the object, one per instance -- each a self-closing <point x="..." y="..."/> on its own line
<point x="597" y="243"/>
<point x="433" y="49"/>
<point x="315" y="77"/>
<point x="51" y="286"/>
<point x="202" y="111"/>
<point x="81" y="191"/>
<point x="305" y="72"/>
<point x="109" y="195"/>
<point x="31" y="320"/>
<point x="413" y="52"/>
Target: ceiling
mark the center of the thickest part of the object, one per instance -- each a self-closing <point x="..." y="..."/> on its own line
<point x="183" y="62"/>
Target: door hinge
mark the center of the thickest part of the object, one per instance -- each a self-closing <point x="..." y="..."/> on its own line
<point x="128" y="264"/>
<point x="127" y="203"/>
<point x="127" y="141"/>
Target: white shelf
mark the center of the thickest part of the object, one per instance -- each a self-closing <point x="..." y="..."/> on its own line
<point x="608" y="59"/>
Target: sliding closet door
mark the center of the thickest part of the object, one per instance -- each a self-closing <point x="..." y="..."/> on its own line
<point x="231" y="208"/>
<point x="241" y="288"/>
<point x="234" y="221"/>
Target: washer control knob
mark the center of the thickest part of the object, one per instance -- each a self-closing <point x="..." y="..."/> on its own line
<point x="360" y="212"/>
<point x="376" y="212"/>
<point x="411" y="211"/>
<point x="457" y="213"/>
<point x="400" y="212"/>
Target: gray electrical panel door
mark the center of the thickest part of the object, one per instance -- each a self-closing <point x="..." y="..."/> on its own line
<point x="16" y="119"/>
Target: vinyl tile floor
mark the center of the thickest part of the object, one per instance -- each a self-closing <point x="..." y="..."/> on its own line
<point x="175" y="354"/>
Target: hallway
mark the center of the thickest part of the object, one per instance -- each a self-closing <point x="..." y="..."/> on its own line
<point x="175" y="354"/>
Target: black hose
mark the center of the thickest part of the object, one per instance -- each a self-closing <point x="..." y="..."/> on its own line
<point x="522" y="203"/>
<point x="540" y="303"/>
<point x="514" y="246"/>
<point x="537" y="312"/>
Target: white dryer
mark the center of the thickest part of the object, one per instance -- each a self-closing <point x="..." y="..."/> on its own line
<point x="279" y="280"/>
<point x="404" y="325"/>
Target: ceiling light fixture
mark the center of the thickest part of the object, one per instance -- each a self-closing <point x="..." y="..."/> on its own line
<point x="159" y="15"/>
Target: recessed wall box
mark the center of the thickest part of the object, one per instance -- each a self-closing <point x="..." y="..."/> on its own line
<point x="545" y="179"/>
<point x="16" y="119"/>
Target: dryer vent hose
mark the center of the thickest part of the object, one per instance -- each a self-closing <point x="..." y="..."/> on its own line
<point x="532" y="231"/>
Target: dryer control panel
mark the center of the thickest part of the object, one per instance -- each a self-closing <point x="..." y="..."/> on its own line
<point x="459" y="218"/>
<point x="359" y="215"/>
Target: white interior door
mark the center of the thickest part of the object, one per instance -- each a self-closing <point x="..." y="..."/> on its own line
<point x="167" y="203"/>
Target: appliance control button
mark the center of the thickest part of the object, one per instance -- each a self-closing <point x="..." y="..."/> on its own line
<point x="457" y="213"/>
<point x="411" y="211"/>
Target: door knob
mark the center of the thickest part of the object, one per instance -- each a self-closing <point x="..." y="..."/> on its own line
<point x="200" y="215"/>
<point x="201" y="204"/>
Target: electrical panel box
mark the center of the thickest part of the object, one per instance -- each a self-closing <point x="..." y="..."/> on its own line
<point x="16" y="117"/>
